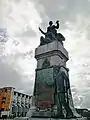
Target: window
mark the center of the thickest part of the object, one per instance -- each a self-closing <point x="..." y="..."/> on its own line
<point x="14" y="93"/>
<point x="3" y="102"/>
<point x="5" y="90"/>
<point x="26" y="96"/>
<point x="22" y="95"/>
<point x="2" y="109"/>
<point x="18" y="94"/>
<point x="4" y="98"/>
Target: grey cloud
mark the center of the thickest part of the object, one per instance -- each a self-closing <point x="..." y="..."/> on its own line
<point x="10" y="77"/>
<point x="64" y="10"/>
<point x="3" y="35"/>
<point x="26" y="33"/>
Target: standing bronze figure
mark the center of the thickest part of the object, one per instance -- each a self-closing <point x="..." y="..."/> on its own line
<point x="62" y="85"/>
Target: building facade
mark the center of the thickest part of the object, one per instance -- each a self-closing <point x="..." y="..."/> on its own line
<point x="13" y="103"/>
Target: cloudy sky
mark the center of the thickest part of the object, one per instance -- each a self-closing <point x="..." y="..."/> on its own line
<point x="19" y="36"/>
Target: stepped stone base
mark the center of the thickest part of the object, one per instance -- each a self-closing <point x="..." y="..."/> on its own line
<point x="51" y="116"/>
<point x="26" y="118"/>
<point x="84" y="118"/>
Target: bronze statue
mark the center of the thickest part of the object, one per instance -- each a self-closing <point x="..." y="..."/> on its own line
<point x="62" y="85"/>
<point x="52" y="28"/>
<point x="51" y="34"/>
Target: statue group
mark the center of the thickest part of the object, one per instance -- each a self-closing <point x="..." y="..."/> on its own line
<point x="51" y="34"/>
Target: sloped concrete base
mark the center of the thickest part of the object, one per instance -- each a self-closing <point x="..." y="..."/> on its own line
<point x="26" y="118"/>
<point x="84" y="118"/>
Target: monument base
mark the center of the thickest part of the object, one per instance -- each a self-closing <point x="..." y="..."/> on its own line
<point x="42" y="115"/>
<point x="48" y="115"/>
<point x="37" y="118"/>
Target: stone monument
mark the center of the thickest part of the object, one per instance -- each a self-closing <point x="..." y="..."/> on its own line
<point x="52" y="96"/>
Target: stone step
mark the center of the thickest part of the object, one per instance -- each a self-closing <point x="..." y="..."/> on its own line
<point x="21" y="118"/>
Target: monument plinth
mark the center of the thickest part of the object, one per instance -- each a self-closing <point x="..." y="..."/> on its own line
<point x="52" y="94"/>
<point x="54" y="52"/>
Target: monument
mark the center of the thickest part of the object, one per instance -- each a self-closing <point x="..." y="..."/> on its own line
<point x="52" y="96"/>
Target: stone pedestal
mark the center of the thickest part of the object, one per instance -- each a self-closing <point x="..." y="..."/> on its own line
<point x="50" y="57"/>
<point x="54" y="52"/>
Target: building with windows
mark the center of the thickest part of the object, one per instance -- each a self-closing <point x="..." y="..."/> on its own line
<point x="13" y="103"/>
